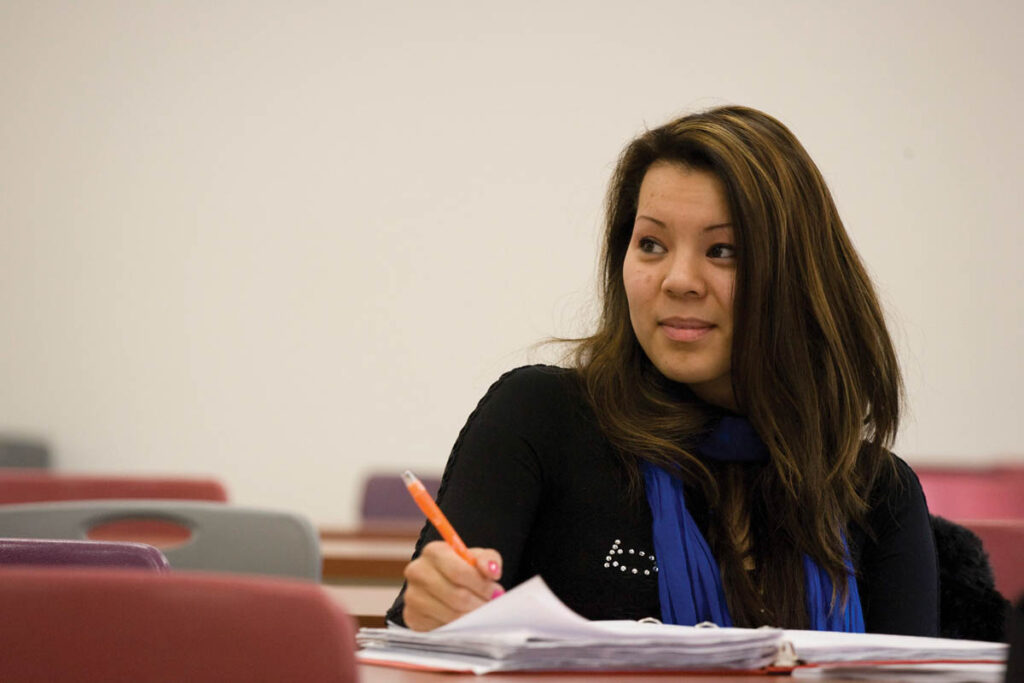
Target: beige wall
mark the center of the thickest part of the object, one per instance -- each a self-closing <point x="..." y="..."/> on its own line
<point x="285" y="243"/>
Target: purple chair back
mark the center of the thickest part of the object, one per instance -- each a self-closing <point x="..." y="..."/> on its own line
<point x="54" y="553"/>
<point x="386" y="501"/>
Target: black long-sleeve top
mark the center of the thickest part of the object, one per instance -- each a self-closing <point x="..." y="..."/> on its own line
<point x="533" y="476"/>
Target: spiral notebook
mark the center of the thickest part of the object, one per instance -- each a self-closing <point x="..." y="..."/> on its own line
<point x="530" y="629"/>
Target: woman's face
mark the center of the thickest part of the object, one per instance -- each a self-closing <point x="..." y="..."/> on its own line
<point x="679" y="274"/>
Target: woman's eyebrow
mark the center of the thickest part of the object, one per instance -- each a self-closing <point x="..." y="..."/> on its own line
<point x="653" y="220"/>
<point x="717" y="226"/>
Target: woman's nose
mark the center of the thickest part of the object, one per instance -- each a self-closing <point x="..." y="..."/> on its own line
<point x="684" y="277"/>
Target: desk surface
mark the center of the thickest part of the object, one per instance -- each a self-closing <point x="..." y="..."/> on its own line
<point x="363" y="571"/>
<point x="398" y="530"/>
<point x="382" y="548"/>
<point x="367" y="604"/>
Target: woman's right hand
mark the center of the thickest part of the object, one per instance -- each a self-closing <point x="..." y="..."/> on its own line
<point x="441" y="586"/>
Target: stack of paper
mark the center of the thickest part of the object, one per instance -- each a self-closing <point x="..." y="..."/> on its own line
<point x="828" y="646"/>
<point x="879" y="657"/>
<point x="530" y="629"/>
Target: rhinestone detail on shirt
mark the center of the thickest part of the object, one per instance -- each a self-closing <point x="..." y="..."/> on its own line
<point x="630" y="560"/>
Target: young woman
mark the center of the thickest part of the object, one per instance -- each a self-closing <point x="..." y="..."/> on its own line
<point x="718" y="451"/>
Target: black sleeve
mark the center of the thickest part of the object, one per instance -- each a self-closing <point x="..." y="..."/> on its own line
<point x="491" y="486"/>
<point x="898" y="581"/>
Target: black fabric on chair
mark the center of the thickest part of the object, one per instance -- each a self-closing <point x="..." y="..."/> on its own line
<point x="1015" y="633"/>
<point x="970" y="607"/>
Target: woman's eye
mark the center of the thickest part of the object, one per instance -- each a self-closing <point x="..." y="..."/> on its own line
<point x="722" y="251"/>
<point x="650" y="246"/>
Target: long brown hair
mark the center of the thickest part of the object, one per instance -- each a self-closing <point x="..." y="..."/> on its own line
<point x="813" y="366"/>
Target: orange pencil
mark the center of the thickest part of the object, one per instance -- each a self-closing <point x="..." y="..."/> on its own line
<point x="436" y="517"/>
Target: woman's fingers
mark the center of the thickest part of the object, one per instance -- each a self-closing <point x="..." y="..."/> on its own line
<point x="479" y="579"/>
<point x="441" y="586"/>
<point x="488" y="563"/>
<point x="425" y="610"/>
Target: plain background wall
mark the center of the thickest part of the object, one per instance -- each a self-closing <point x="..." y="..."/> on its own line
<point x="287" y="243"/>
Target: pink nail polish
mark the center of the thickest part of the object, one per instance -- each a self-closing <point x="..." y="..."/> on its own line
<point x="492" y="567"/>
<point x="498" y="592"/>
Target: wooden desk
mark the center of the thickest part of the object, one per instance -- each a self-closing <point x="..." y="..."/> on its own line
<point x="378" y="530"/>
<point x="362" y="569"/>
<point x="367" y="604"/>
<point x="365" y="560"/>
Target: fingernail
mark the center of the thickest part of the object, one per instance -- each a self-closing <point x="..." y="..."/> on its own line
<point x="492" y="567"/>
<point x="498" y="592"/>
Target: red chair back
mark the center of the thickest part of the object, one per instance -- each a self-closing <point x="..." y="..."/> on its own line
<point x="1003" y="540"/>
<point x="961" y="493"/>
<point x="91" y="625"/>
<point x="38" y="486"/>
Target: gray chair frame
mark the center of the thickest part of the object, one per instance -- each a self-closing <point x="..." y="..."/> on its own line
<point x="18" y="452"/>
<point x="224" y="537"/>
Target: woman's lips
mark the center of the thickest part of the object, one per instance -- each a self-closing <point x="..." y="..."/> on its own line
<point x="685" y="329"/>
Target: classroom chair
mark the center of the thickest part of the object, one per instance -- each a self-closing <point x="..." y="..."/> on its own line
<point x="99" y="625"/>
<point x="58" y="553"/>
<point x="33" y="486"/>
<point x="964" y="493"/>
<point x="1003" y="540"/>
<point x="213" y="536"/>
<point x="387" y="504"/>
<point x="23" y="452"/>
<point x="970" y="605"/>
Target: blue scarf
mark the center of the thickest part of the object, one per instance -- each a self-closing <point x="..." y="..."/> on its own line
<point x="689" y="583"/>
